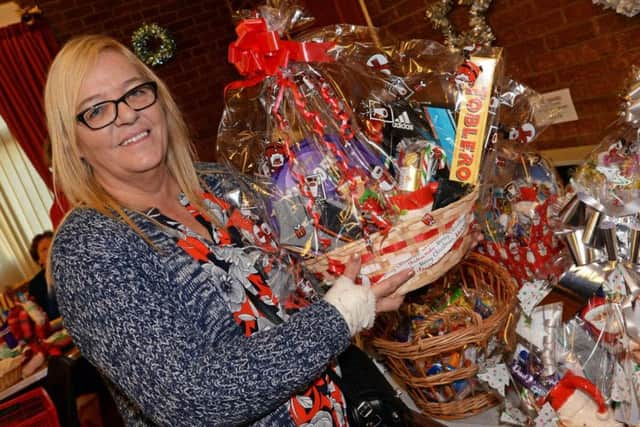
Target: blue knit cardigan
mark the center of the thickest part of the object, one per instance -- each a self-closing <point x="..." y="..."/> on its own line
<point x="163" y="338"/>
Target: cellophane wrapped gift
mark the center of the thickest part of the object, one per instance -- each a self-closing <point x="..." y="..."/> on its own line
<point x="609" y="181"/>
<point x="520" y="192"/>
<point x="371" y="148"/>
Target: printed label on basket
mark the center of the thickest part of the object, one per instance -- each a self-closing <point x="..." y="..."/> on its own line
<point x="400" y="258"/>
<point x="431" y="253"/>
<point x="369" y="269"/>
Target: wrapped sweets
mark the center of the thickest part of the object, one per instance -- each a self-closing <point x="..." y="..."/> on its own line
<point x="297" y="120"/>
<point x="609" y="181"/>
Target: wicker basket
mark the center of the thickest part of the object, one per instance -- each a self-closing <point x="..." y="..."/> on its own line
<point x="10" y="371"/>
<point x="409" y="360"/>
<point x="430" y="242"/>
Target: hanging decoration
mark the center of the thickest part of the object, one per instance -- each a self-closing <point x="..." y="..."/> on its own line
<point x="153" y="44"/>
<point x="30" y="14"/>
<point x="624" y="7"/>
<point x="480" y="33"/>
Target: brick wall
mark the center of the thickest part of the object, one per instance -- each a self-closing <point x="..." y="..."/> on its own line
<point x="549" y="44"/>
<point x="198" y="71"/>
<point x="202" y="29"/>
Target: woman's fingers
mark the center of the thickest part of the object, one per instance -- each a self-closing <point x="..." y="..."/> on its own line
<point x="389" y="285"/>
<point x="352" y="268"/>
<point x="383" y="291"/>
<point x="477" y="238"/>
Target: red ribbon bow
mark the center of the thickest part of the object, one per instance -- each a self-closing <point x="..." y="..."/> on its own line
<point x="258" y="52"/>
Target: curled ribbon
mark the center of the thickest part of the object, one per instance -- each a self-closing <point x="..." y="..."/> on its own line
<point x="258" y="52"/>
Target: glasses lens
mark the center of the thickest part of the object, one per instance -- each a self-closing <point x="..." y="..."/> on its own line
<point x="141" y="97"/>
<point x="100" y="115"/>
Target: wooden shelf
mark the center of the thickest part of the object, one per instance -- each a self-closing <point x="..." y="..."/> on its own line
<point x="21" y="385"/>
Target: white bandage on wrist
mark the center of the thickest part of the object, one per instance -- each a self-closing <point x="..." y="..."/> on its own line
<point x="357" y="304"/>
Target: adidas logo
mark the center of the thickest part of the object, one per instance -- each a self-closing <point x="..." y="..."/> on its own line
<point x="403" y="122"/>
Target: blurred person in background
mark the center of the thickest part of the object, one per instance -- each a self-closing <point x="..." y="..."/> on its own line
<point x="39" y="289"/>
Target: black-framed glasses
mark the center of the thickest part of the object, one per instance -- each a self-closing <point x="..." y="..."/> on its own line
<point x="106" y="112"/>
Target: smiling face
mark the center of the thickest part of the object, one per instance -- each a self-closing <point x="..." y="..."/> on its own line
<point x="135" y="144"/>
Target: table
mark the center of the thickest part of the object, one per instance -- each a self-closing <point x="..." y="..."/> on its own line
<point x="24" y="383"/>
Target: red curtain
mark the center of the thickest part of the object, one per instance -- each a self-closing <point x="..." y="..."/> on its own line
<point x="26" y="51"/>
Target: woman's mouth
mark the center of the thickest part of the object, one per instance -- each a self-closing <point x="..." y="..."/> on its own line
<point x="134" y="138"/>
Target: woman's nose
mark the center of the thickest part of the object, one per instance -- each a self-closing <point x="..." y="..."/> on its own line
<point x="125" y="114"/>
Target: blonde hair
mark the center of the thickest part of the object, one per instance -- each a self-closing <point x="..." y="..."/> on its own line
<point x="71" y="173"/>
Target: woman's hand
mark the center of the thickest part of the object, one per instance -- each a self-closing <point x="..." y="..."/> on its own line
<point x="385" y="291"/>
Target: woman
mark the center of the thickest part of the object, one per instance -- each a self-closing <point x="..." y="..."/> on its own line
<point x="157" y="286"/>
<point x="39" y="289"/>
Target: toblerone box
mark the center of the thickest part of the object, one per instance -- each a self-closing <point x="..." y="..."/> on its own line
<point x="472" y="122"/>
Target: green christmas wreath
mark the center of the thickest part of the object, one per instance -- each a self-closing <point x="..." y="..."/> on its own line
<point x="153" y="44"/>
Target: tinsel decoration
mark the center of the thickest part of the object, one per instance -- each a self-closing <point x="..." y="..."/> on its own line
<point x="624" y="7"/>
<point x="153" y="44"/>
<point x="480" y="34"/>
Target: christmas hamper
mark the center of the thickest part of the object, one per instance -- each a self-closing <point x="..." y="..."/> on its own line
<point x="441" y="336"/>
<point x="361" y="148"/>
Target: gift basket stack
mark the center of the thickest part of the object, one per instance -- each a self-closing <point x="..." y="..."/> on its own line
<point x="361" y="145"/>
<point x="360" y="148"/>
<point x="447" y="342"/>
<point x="578" y="368"/>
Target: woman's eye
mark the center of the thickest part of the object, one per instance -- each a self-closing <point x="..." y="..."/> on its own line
<point x="137" y="92"/>
<point x="94" y="112"/>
